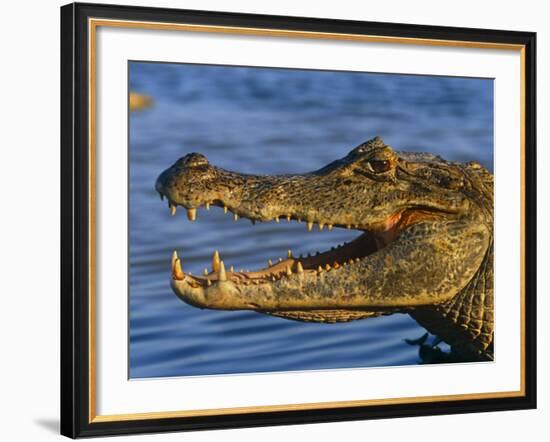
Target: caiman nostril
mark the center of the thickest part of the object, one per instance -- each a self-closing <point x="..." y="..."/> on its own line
<point x="193" y="159"/>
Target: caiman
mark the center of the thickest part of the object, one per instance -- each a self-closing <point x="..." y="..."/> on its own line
<point x="426" y="246"/>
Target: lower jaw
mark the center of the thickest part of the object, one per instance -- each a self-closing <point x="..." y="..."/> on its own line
<point x="345" y="255"/>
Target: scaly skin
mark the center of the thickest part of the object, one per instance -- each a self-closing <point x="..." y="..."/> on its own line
<point x="426" y="247"/>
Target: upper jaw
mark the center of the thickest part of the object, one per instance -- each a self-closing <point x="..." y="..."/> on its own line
<point x="257" y="198"/>
<point x="250" y="202"/>
<point x="257" y="210"/>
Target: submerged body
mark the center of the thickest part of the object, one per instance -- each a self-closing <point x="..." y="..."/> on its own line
<point x="426" y="246"/>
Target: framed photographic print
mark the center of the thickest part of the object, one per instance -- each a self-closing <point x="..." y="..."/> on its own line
<point x="274" y="220"/>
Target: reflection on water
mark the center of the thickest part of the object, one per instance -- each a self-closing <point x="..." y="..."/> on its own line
<point x="271" y="121"/>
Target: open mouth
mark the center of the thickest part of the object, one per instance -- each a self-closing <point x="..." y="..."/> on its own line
<point x="372" y="239"/>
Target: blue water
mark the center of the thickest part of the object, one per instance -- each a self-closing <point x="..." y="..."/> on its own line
<point x="271" y="121"/>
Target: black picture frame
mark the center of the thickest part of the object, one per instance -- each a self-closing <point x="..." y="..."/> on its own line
<point x="75" y="221"/>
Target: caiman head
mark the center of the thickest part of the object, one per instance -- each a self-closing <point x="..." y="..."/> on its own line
<point x="425" y="227"/>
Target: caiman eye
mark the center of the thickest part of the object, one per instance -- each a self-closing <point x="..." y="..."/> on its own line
<point x="380" y="166"/>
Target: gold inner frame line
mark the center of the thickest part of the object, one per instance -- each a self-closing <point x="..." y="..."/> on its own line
<point x="93" y="24"/>
<point x="300" y="34"/>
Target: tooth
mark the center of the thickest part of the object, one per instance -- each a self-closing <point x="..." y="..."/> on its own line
<point x="321" y="226"/>
<point x="299" y="220"/>
<point x="235" y="217"/>
<point x="327" y="267"/>
<point x="288" y="218"/>
<point x="173" y="209"/>
<point x="224" y="209"/>
<point x="357" y="259"/>
<point x="276" y="219"/>
<point x="280" y="259"/>
<point x="299" y="267"/>
<point x="288" y="271"/>
<point x="177" y="271"/>
<point x="174" y="257"/>
<point x="232" y="269"/>
<point x="348" y="226"/>
<point x="289" y="253"/>
<point x="269" y="262"/>
<point x="207" y="205"/>
<point x="273" y="278"/>
<point x="319" y="269"/>
<point x="221" y="273"/>
<point x="330" y="226"/>
<point x="241" y="270"/>
<point x="208" y="282"/>
<point x="191" y="214"/>
<point x="205" y="271"/>
<point x="336" y="265"/>
<point x="216" y="261"/>
<point x="350" y="261"/>
<point x="309" y="226"/>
